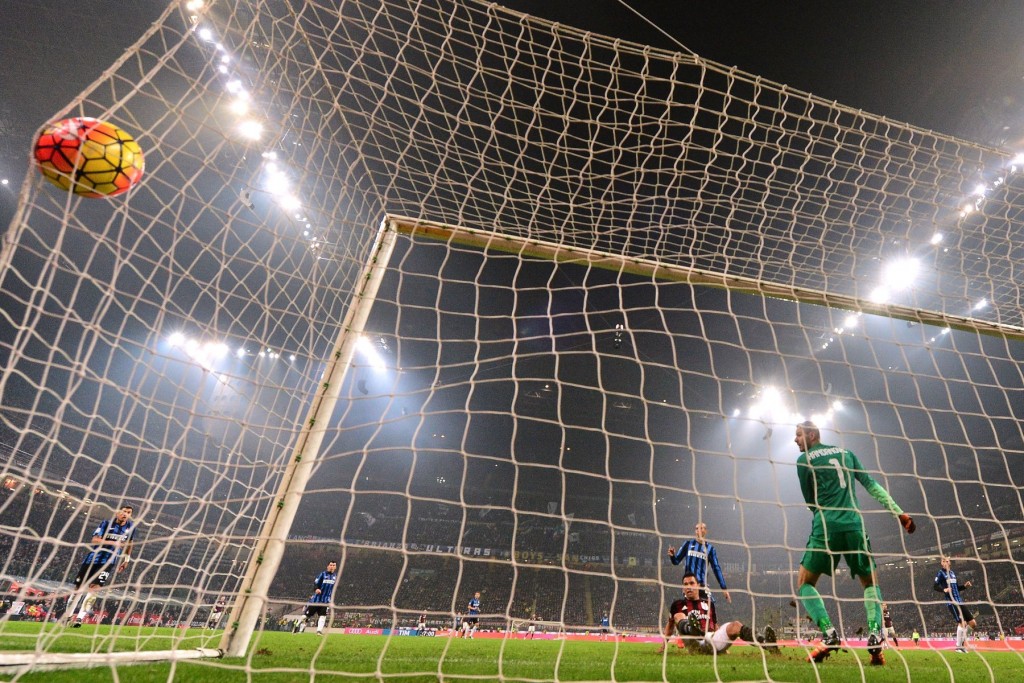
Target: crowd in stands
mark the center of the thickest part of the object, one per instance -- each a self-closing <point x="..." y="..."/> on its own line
<point x="566" y="572"/>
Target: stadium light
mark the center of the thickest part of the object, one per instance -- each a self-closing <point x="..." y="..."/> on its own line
<point x="366" y="347"/>
<point x="879" y="295"/>
<point x="901" y="273"/>
<point x="251" y="129"/>
<point x="204" y="354"/>
<point x="276" y="181"/>
<point x="770" y="408"/>
<point x="289" y="202"/>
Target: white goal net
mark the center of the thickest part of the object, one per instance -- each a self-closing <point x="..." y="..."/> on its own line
<point x="468" y="302"/>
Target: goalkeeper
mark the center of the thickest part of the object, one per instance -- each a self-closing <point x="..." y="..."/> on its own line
<point x="826" y="476"/>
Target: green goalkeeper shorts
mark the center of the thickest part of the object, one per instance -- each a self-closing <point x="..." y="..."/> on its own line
<point x="823" y="553"/>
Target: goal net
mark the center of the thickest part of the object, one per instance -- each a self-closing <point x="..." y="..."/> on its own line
<point x="469" y="302"/>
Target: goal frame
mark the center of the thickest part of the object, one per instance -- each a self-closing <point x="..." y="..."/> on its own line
<point x="269" y="551"/>
<point x="254" y="591"/>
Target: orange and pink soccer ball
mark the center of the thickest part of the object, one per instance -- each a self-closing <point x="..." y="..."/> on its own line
<point x="92" y="158"/>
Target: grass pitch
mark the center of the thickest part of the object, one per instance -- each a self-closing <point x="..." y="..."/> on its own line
<point x="283" y="657"/>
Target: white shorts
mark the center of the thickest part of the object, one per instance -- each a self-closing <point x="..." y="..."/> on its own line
<point x="719" y="640"/>
<point x="531" y="628"/>
<point x="889" y="632"/>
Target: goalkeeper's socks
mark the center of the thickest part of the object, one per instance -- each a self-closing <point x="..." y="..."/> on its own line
<point x="873" y="607"/>
<point x="811" y="600"/>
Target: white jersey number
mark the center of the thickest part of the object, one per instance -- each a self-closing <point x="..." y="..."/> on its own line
<point x="839" y="472"/>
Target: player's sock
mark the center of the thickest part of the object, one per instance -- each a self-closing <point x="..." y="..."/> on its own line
<point x="810" y="598"/>
<point x="873" y="606"/>
<point x="961" y="636"/>
<point x="320" y="624"/>
<point x="87" y="604"/>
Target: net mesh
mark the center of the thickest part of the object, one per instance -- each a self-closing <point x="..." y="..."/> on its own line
<point x="537" y="423"/>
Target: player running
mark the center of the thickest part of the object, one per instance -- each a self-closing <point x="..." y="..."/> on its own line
<point x="111" y="551"/>
<point x="320" y="601"/>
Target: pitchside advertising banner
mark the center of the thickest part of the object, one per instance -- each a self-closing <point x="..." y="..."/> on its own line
<point x="385" y="631"/>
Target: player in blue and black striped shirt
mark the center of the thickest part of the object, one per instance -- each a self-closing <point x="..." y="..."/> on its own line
<point x="323" y="591"/>
<point x="695" y="555"/>
<point x="110" y="553"/>
<point x="945" y="582"/>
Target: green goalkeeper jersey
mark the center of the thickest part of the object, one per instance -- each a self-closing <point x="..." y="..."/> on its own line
<point x="826" y="480"/>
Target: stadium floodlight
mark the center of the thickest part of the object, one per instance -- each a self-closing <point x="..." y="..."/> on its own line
<point x="900" y="274"/>
<point x="288" y="201"/>
<point x="771" y="408"/>
<point x="879" y="295"/>
<point x="370" y="353"/>
<point x="251" y="129"/>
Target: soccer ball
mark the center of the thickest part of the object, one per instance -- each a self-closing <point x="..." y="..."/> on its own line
<point x="91" y="157"/>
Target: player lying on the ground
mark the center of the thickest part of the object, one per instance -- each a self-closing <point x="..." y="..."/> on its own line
<point x="695" y="620"/>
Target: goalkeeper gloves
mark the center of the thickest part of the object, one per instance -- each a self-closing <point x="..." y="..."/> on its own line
<point x="908" y="523"/>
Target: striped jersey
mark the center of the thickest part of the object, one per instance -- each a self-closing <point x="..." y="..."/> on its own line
<point x="947" y="579"/>
<point x="695" y="557"/>
<point x="325" y="583"/>
<point x="109" y="530"/>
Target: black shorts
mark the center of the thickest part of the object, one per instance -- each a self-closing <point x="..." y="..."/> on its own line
<point x="960" y="611"/>
<point x="316" y="609"/>
<point x="94" y="575"/>
<point x="473" y="621"/>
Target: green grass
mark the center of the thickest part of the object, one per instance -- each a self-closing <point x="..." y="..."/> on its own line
<point x="282" y="657"/>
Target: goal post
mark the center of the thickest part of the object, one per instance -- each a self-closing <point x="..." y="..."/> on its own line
<point x="266" y="558"/>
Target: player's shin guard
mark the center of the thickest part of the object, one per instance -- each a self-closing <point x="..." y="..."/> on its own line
<point x="810" y="598"/>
